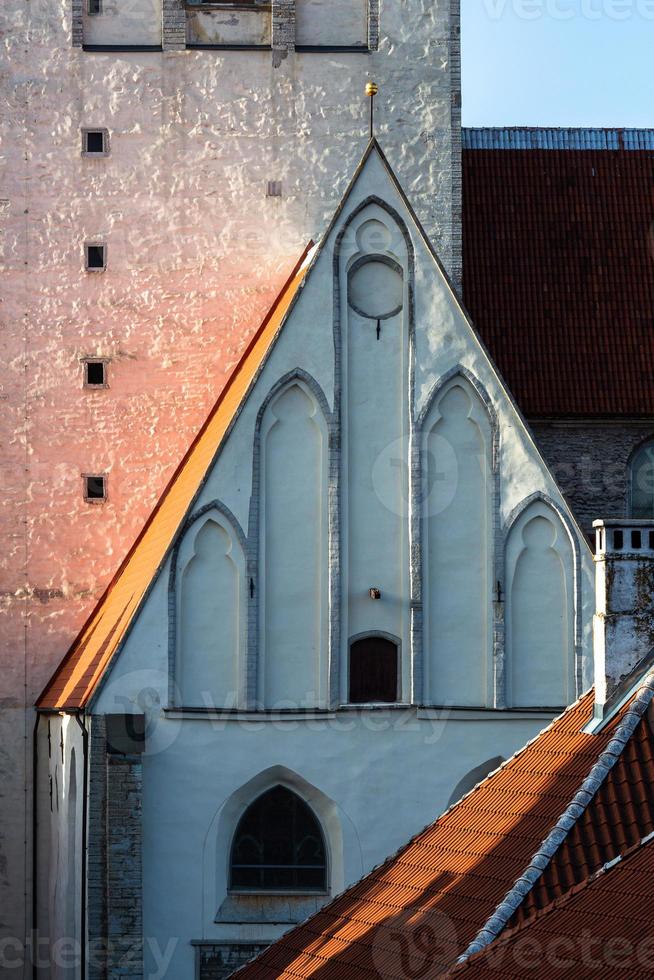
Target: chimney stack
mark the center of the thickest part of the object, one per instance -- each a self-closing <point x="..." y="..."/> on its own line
<point x="623" y="629"/>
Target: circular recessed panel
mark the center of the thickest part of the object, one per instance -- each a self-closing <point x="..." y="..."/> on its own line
<point x="373" y="236"/>
<point x="376" y="289"/>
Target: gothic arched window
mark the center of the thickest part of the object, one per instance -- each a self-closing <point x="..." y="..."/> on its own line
<point x="278" y="846"/>
<point x="642" y="482"/>
<point x="373" y="670"/>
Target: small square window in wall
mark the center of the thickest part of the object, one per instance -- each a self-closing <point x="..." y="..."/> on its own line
<point x="274" y="188"/>
<point x="95" y="142"/>
<point x="95" y="256"/>
<point x="95" y="373"/>
<point x="94" y="7"/>
<point x="95" y="488"/>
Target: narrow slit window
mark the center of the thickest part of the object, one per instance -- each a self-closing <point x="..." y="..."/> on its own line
<point x="95" y="374"/>
<point x="95" y="488"/>
<point x="96" y="257"/>
<point x="95" y="142"/>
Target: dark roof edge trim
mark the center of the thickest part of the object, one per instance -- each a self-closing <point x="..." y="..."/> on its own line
<point x="555" y="138"/>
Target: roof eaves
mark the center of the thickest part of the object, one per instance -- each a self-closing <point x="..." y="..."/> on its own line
<point x="600" y="770"/>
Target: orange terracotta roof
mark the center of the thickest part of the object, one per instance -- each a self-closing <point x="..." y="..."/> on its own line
<point x="77" y="676"/>
<point x="603" y="927"/>
<point x="421" y="909"/>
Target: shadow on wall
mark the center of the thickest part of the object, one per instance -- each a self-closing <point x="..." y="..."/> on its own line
<point x="475" y="776"/>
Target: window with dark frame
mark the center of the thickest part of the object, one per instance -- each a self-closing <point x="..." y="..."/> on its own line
<point x="95" y="256"/>
<point x="95" y="374"/>
<point x="373" y="671"/>
<point x="95" y="488"/>
<point x="94" y="7"/>
<point x="278" y="846"/>
<point x="94" y="141"/>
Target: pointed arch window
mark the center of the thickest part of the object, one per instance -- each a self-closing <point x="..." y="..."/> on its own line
<point x="642" y="482"/>
<point x="278" y="846"/>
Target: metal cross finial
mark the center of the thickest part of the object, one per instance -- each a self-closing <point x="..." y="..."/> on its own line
<point x="371" y="91"/>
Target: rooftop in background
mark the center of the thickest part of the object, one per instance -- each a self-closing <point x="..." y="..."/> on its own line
<point x="558" y="265"/>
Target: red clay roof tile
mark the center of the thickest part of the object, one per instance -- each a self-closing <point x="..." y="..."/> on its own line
<point x="600" y="928"/>
<point x="558" y="275"/>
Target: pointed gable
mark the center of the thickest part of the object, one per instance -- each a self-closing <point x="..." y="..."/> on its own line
<point x="429" y="380"/>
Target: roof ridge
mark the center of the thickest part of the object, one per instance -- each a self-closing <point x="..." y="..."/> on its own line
<point x="556" y="903"/>
<point x="574" y="810"/>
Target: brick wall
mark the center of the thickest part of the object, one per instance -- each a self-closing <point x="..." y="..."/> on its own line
<point x="220" y="961"/>
<point x="124" y="868"/>
<point x="97" y="850"/>
<point x="590" y="461"/>
<point x="115" y="907"/>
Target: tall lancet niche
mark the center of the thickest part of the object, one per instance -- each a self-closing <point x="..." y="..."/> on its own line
<point x="540" y="613"/>
<point x="375" y="384"/>
<point x="457" y="529"/>
<point x="293" y="562"/>
<point x="210" y="614"/>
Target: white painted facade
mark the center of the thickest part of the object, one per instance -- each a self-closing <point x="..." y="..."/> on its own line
<point x="388" y="455"/>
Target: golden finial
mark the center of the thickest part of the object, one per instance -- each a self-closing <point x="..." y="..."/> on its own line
<point x="371" y="91"/>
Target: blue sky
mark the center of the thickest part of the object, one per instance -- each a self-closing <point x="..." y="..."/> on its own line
<point x="558" y="62"/>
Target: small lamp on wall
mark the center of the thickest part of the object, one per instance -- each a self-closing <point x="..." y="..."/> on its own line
<point x="374" y="593"/>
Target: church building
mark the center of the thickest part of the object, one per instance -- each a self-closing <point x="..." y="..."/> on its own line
<point x="360" y="593"/>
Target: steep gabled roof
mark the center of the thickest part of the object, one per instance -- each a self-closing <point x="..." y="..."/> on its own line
<point x="601" y="927"/>
<point x="558" y="272"/>
<point x="461" y="880"/>
<point x="75" y="679"/>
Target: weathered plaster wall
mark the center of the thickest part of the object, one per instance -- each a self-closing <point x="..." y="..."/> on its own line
<point x="196" y="251"/>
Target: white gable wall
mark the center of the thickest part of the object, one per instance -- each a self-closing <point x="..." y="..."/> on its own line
<point x="425" y="383"/>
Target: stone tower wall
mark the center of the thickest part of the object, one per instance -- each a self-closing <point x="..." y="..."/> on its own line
<point x="196" y="251"/>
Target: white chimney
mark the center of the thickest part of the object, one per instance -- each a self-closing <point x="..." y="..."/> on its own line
<point x="623" y="632"/>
